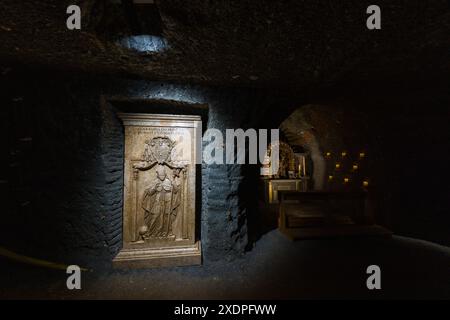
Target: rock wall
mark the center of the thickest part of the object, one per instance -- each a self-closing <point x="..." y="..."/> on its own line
<point x="62" y="188"/>
<point x="73" y="202"/>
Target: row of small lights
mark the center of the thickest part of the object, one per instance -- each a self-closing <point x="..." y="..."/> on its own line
<point x="344" y="154"/>
<point x="355" y="167"/>
<point x="346" y="180"/>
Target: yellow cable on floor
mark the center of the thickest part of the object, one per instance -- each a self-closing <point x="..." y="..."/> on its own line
<point x="37" y="262"/>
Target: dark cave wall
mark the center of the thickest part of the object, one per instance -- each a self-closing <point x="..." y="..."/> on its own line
<point x="69" y="205"/>
<point x="63" y="185"/>
<point x="408" y="136"/>
<point x="57" y="207"/>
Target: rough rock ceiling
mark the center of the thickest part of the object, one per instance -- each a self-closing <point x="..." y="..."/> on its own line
<point x="247" y="43"/>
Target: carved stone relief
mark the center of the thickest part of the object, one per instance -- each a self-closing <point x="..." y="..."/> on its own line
<point x="159" y="191"/>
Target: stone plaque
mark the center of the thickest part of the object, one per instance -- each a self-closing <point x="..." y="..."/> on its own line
<point x="159" y="191"/>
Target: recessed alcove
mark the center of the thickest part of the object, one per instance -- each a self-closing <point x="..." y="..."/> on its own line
<point x="321" y="188"/>
<point x="134" y="25"/>
<point x="160" y="115"/>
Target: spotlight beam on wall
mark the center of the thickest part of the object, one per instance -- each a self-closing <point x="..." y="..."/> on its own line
<point x="146" y="27"/>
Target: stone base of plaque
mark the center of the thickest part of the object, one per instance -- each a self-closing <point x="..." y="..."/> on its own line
<point x="159" y="257"/>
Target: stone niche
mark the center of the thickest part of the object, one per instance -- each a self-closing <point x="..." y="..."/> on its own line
<point x="159" y="213"/>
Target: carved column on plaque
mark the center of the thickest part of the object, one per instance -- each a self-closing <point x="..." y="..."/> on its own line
<point x="134" y="216"/>
<point x="185" y="218"/>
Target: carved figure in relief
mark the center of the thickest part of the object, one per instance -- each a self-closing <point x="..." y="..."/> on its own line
<point x="162" y="200"/>
<point x="157" y="204"/>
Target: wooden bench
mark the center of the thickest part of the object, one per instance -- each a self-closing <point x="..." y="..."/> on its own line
<point x="315" y="214"/>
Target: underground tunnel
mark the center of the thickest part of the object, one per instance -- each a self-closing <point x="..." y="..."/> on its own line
<point x="123" y="143"/>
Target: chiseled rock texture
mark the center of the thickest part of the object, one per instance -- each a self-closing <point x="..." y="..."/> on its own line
<point x="252" y="63"/>
<point x="69" y="202"/>
<point x="63" y="187"/>
<point x="256" y="43"/>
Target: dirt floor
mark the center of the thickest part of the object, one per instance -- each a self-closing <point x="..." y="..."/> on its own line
<point x="276" y="268"/>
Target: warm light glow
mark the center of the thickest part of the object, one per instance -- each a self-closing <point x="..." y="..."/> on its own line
<point x="343" y="153"/>
<point x="362" y="154"/>
<point x="365" y="183"/>
<point x="328" y="154"/>
<point x="330" y="177"/>
<point x="355" y="166"/>
<point x="346" y="180"/>
<point x="338" y="165"/>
